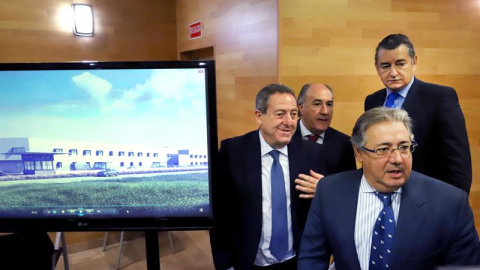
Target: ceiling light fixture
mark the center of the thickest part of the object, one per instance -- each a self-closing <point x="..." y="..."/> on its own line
<point x="82" y="20"/>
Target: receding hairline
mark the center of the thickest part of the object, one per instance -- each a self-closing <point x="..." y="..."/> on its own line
<point x="305" y="90"/>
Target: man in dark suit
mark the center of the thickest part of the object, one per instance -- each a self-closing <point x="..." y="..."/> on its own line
<point x="438" y="122"/>
<point x="428" y="223"/>
<point x="243" y="192"/>
<point x="315" y="102"/>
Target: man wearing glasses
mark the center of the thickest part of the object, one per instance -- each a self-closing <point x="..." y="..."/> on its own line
<point x="386" y="216"/>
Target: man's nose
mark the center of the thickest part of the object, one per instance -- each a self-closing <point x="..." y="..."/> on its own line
<point x="395" y="156"/>
<point x="288" y="119"/>
<point x="323" y="109"/>
<point x="393" y="72"/>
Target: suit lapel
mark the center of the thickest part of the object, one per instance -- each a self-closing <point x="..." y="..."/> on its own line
<point x="410" y="220"/>
<point x="296" y="163"/>
<point x="327" y="135"/>
<point x="411" y="101"/>
<point x="294" y="156"/>
<point x="379" y="99"/>
<point x="298" y="132"/>
<point x="327" y="141"/>
<point x="253" y="175"/>
<point x="346" y="228"/>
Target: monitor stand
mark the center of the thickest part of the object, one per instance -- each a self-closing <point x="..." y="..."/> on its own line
<point x="153" y="251"/>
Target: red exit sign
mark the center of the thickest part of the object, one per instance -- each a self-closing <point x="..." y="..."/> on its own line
<point x="195" y="30"/>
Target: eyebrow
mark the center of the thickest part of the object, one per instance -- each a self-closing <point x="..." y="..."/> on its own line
<point x="286" y="110"/>
<point x="317" y="99"/>
<point x="390" y="144"/>
<point x="396" y="61"/>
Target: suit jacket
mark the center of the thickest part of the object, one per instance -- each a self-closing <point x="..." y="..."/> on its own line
<point x="336" y="151"/>
<point x="443" y="151"/>
<point x="237" y="198"/>
<point x="435" y="225"/>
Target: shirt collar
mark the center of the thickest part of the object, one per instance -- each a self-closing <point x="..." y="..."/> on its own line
<point x="404" y="91"/>
<point x="365" y="187"/>
<point x="265" y="148"/>
<point x="305" y="131"/>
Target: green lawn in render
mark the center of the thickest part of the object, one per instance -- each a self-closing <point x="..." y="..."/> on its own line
<point x="175" y="193"/>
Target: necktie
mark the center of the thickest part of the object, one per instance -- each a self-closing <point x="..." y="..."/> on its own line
<point x="312" y="137"/>
<point x="279" y="240"/>
<point x="383" y="234"/>
<point x="391" y="100"/>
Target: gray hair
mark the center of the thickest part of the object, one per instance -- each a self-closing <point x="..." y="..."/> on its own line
<point x="261" y="101"/>
<point x="378" y="115"/>
<point x="303" y="93"/>
<point x="392" y="42"/>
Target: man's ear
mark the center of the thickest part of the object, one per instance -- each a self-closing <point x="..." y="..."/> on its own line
<point x="258" y="117"/>
<point x="300" y="109"/>
<point x="358" y="154"/>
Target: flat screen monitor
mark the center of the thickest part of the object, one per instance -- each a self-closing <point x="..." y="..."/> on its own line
<point x="107" y="145"/>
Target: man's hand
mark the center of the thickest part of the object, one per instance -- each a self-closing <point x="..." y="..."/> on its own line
<point x="307" y="184"/>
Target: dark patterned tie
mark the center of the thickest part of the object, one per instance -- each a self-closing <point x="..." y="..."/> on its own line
<point x="383" y="234"/>
<point x="312" y="137"/>
<point x="391" y="100"/>
<point x="279" y="240"/>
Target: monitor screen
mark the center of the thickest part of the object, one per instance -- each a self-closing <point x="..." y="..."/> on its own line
<point x="107" y="145"/>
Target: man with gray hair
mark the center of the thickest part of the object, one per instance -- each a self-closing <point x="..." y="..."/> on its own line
<point x="386" y="216"/>
<point x="315" y="103"/>
<point x="259" y="210"/>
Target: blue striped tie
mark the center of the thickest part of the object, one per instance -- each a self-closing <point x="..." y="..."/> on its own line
<point x="279" y="240"/>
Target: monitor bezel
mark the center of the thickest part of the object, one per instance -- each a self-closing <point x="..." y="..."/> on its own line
<point x="125" y="224"/>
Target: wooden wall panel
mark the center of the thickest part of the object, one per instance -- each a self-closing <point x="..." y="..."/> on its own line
<point x="334" y="42"/>
<point x="245" y="39"/>
<point x="39" y="31"/>
<point x="124" y="31"/>
<point x="266" y="41"/>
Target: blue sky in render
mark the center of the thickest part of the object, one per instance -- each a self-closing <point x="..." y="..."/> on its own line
<point x="162" y="107"/>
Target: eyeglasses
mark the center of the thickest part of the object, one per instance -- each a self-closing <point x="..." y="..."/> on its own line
<point x="383" y="151"/>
